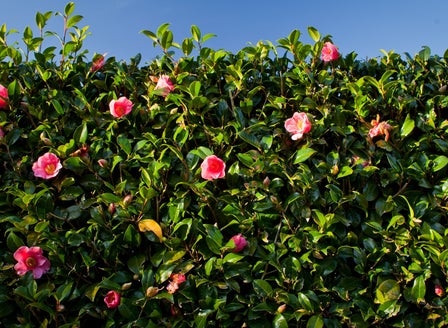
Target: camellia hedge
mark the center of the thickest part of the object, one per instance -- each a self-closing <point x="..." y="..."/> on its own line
<point x="284" y="185"/>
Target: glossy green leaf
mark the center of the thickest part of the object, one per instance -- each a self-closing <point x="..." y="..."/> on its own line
<point x="13" y="241"/>
<point x="345" y="171"/>
<point x="196" y="33"/>
<point x="81" y="134"/>
<point x="407" y="127"/>
<point x="262" y="287"/>
<point x="314" y="33"/>
<point x="69" y="8"/>
<point x="280" y="321"/>
<point x="386" y="291"/>
<point x="418" y="289"/>
<point x="124" y="143"/>
<point x="440" y="162"/>
<point x="72" y="21"/>
<point x="315" y="321"/>
<point x="303" y="154"/>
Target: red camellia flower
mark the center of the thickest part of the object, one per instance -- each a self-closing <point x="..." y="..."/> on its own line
<point x="379" y="128"/>
<point x="47" y="166"/>
<point x="240" y="242"/>
<point x="112" y="299"/>
<point x="213" y="168"/>
<point x="120" y="107"/>
<point x="176" y="280"/>
<point x="31" y="259"/>
<point x="298" y="125"/>
<point x="329" y="52"/>
<point x="3" y="96"/>
<point x="165" y="85"/>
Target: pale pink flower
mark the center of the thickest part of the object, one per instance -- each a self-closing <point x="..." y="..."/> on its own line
<point x="329" y="52"/>
<point x="213" y="168"/>
<point x="120" y="107"/>
<point x="298" y="125"/>
<point x="112" y="299"/>
<point x="379" y="128"/>
<point x="47" y="166"/>
<point x="165" y="85"/>
<point x="3" y="96"/>
<point x="31" y="259"/>
<point x="176" y="280"/>
<point x="98" y="63"/>
<point x="240" y="242"/>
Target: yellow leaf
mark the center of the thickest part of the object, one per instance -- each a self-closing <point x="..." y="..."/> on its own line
<point x="150" y="225"/>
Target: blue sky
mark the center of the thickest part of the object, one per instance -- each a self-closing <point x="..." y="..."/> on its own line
<point x="364" y="27"/>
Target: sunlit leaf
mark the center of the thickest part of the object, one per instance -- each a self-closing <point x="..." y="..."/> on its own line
<point x="151" y="225"/>
<point x="314" y="33"/>
<point x="440" y="162"/>
<point x="303" y="154"/>
<point x="388" y="290"/>
<point x="407" y="126"/>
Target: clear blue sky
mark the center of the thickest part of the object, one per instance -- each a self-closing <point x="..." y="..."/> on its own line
<point x="364" y="27"/>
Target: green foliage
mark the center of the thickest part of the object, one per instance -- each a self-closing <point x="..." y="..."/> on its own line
<point x="342" y="229"/>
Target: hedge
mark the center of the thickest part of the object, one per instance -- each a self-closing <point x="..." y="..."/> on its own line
<point x="285" y="185"/>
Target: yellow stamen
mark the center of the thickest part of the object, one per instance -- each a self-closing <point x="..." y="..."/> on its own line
<point x="50" y="168"/>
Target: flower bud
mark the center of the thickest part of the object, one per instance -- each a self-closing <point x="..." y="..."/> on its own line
<point x="127" y="200"/>
<point x="60" y="307"/>
<point x="240" y="242"/>
<point x="175" y="311"/>
<point x="103" y="163"/>
<point x="438" y="290"/>
<point x="111" y="208"/>
<point x="266" y="182"/>
<point x="281" y="308"/>
<point x="335" y="169"/>
<point x="45" y="140"/>
<point x="151" y="291"/>
<point x="126" y="286"/>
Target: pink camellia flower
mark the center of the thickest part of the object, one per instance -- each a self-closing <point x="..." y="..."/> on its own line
<point x="298" y="125"/>
<point x="329" y="52"/>
<point x="438" y="290"/>
<point x="379" y="128"/>
<point x="98" y="63"/>
<point x="240" y="242"/>
<point x="3" y="96"/>
<point x="120" y="107"/>
<point x="112" y="299"/>
<point x="31" y="259"/>
<point x="176" y="280"/>
<point x="47" y="166"/>
<point x="213" y="168"/>
<point x="165" y="85"/>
